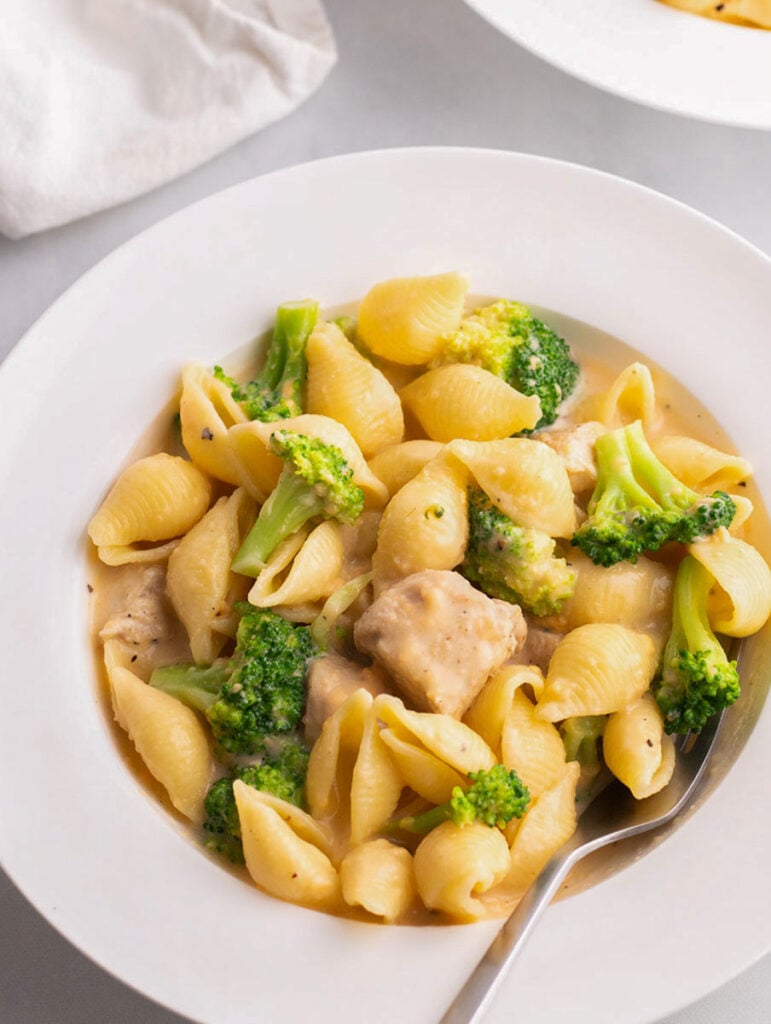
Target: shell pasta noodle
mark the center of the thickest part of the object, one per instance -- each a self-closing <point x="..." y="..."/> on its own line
<point x="751" y="13"/>
<point x="377" y="614"/>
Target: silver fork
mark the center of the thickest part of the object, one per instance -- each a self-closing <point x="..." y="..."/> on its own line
<point x="613" y="815"/>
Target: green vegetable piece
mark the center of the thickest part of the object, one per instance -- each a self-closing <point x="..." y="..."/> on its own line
<point x="316" y="482"/>
<point x="283" y="776"/>
<point x="259" y="692"/>
<point x="638" y="505"/>
<point x="276" y="393"/>
<point x="507" y="340"/>
<point x="495" y="797"/>
<point x="696" y="678"/>
<point x="514" y="563"/>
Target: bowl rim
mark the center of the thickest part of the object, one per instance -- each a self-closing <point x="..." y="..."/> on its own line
<point x="529" y="32"/>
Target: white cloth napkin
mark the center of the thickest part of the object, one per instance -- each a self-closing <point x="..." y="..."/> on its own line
<point x="101" y="100"/>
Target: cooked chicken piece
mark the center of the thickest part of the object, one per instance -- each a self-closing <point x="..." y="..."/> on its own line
<point x="148" y="620"/>
<point x="576" y="449"/>
<point x="331" y="681"/>
<point x="538" y="648"/>
<point x="136" y="619"/>
<point x="439" y="639"/>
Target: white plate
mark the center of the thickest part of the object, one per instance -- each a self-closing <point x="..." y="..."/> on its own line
<point x="646" y="51"/>
<point x="82" y="839"/>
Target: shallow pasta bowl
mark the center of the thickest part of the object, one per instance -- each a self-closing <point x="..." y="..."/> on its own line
<point x="84" y="841"/>
<point x="646" y="51"/>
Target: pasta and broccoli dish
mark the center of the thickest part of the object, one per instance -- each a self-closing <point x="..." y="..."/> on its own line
<point x="388" y="605"/>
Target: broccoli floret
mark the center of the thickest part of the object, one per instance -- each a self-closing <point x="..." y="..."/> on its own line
<point x="258" y="692"/>
<point x="495" y="797"/>
<point x="316" y="481"/>
<point x="696" y="678"/>
<point x="638" y="505"/>
<point x="510" y="342"/>
<point x="276" y="393"/>
<point x="283" y="776"/>
<point x="512" y="562"/>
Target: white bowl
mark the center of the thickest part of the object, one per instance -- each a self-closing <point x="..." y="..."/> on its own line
<point x="82" y="839"/>
<point x="646" y="51"/>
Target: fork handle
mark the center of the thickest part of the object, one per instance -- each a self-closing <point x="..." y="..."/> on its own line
<point x="475" y="997"/>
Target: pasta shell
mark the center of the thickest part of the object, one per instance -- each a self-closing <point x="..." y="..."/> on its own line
<point x="455" y="866"/>
<point x="425" y="525"/>
<point x="548" y="824"/>
<point x="531" y="747"/>
<point x="636" y="750"/>
<point x="207" y="410"/>
<point x="699" y="465"/>
<point x="462" y="400"/>
<point x="314" y="572"/>
<point x="379" y="877"/>
<point x="343" y="384"/>
<point x="125" y="554"/>
<point x="523" y="478"/>
<point x="376" y="784"/>
<point x="256" y="467"/>
<point x="487" y="715"/>
<point x="168" y="737"/>
<point x="740" y="603"/>
<point x="351" y="777"/>
<point x="330" y="767"/>
<point x="397" y="465"/>
<point x="434" y="753"/>
<point x="282" y="851"/>
<point x="638" y="596"/>
<point x="631" y="396"/>
<point x="419" y="769"/>
<point x="403" y="319"/>
<point x="200" y="583"/>
<point x="156" y="498"/>
<point x="595" y="670"/>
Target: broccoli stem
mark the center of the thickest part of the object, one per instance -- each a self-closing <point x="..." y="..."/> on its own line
<point x="291" y="504"/>
<point x="286" y="365"/>
<point x="495" y="797"/>
<point x="697" y="679"/>
<point x="198" y="686"/>
<point x="422" y="824"/>
<point x="276" y="392"/>
<point x="581" y="736"/>
<point x="670" y="492"/>
<point x="616" y="484"/>
<point x="690" y="626"/>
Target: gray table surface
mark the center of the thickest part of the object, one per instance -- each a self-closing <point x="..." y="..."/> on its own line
<point x="409" y="74"/>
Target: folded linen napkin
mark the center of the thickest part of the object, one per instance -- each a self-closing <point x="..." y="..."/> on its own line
<point x="101" y="100"/>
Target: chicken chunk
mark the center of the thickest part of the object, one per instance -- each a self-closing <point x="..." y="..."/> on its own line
<point x="143" y="616"/>
<point x="576" y="449"/>
<point x="331" y="681"/>
<point x="132" y="617"/>
<point x="439" y="639"/>
<point x="538" y="648"/>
